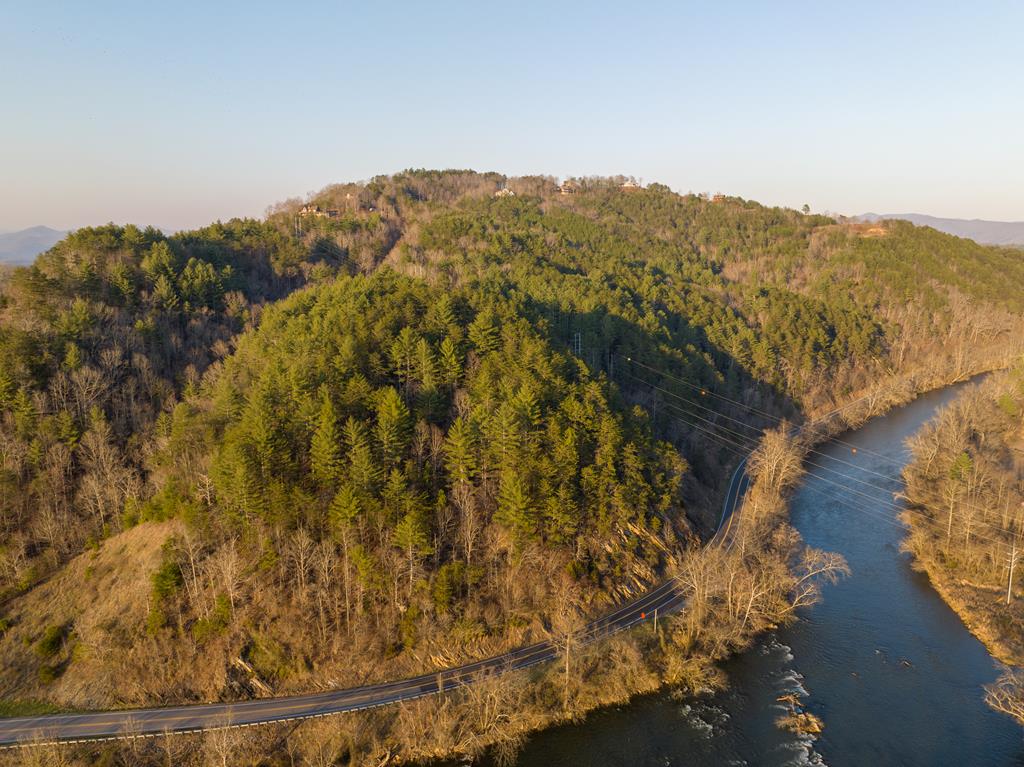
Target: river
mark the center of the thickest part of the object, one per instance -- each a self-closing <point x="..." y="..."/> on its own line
<point x="889" y="668"/>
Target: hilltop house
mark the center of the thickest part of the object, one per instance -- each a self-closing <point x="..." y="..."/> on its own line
<point x="317" y="211"/>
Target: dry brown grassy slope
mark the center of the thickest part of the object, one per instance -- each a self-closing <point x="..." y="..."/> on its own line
<point x="97" y="600"/>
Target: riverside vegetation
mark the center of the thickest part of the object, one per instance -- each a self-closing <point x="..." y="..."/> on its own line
<point x="965" y="487"/>
<point x="309" y="451"/>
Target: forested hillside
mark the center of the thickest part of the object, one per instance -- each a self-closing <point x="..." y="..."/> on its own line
<point x="966" y="490"/>
<point x="421" y="421"/>
<point x="104" y="332"/>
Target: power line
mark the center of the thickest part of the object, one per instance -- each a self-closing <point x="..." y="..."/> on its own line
<point x="806" y="460"/>
<point x="730" y="445"/>
<point x="812" y="450"/>
<point x="771" y="416"/>
<point x="704" y="390"/>
<point x="741" y="422"/>
<point x="751" y="445"/>
<point x="736" y="446"/>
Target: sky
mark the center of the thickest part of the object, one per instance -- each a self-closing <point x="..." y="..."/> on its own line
<point x="178" y="114"/>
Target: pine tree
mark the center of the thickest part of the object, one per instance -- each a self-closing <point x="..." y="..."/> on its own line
<point x="164" y="294"/>
<point x="561" y="513"/>
<point x="345" y="509"/>
<point x="264" y="431"/>
<point x="73" y="357"/>
<point x="565" y="453"/>
<point x="24" y="414"/>
<point x="241" y="478"/>
<point x="362" y="469"/>
<point x="392" y="430"/>
<point x="426" y="371"/>
<point x="325" y="448"/>
<point x="483" y="332"/>
<point x="200" y="285"/>
<point x="158" y="262"/>
<point x="67" y="429"/>
<point x="450" y="363"/>
<point x="444" y="314"/>
<point x="961" y="468"/>
<point x="396" y="495"/>
<point x="7" y="389"/>
<point x="412" y="535"/>
<point x="460" y="451"/>
<point x="403" y="355"/>
<point x="120" y="277"/>
<point x="506" y="435"/>
<point x="528" y="407"/>
<point x="632" y="492"/>
<point x="515" y="507"/>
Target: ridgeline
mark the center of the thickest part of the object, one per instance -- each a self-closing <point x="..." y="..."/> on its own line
<point x="420" y="420"/>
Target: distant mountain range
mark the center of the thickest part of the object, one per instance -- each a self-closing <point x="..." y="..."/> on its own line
<point x="23" y="246"/>
<point x="987" y="232"/>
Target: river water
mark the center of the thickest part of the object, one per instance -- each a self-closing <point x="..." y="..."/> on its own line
<point x="887" y="666"/>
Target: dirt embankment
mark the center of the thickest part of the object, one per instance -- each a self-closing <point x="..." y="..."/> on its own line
<point x="983" y="611"/>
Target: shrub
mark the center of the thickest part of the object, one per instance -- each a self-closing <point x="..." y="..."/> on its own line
<point x="52" y="640"/>
<point x="218" y="620"/>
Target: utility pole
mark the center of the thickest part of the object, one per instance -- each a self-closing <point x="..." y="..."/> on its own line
<point x="1011" y="564"/>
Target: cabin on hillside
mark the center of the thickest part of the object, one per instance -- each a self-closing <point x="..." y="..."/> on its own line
<point x="630" y="185"/>
<point x="718" y="198"/>
<point x="569" y="187"/>
<point x="317" y="212"/>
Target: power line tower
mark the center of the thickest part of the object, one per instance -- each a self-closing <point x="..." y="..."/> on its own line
<point x="577" y="344"/>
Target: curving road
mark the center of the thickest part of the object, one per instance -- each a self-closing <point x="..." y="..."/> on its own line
<point x="148" y="722"/>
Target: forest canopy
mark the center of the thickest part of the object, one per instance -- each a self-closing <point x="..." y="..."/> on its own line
<point x="431" y="434"/>
<point x="429" y="415"/>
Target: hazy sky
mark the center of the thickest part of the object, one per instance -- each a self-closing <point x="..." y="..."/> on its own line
<point x="184" y="113"/>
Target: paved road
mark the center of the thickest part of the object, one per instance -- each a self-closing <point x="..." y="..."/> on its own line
<point x="99" y="725"/>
